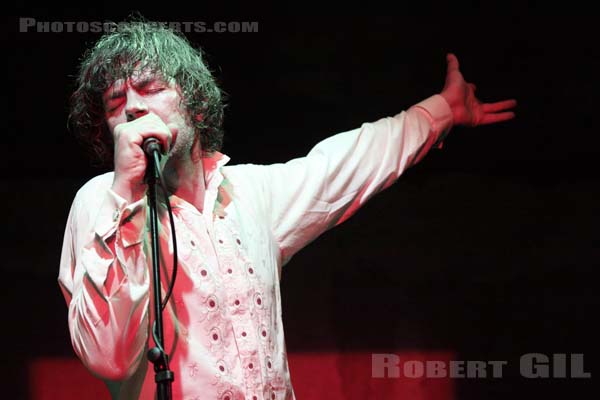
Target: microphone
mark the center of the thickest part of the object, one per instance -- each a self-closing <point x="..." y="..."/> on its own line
<point x="151" y="145"/>
<point x="153" y="150"/>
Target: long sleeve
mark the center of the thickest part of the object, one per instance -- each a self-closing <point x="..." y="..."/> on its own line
<point x="306" y="196"/>
<point x="104" y="279"/>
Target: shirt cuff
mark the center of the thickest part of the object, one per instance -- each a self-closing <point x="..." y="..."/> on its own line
<point x="116" y="213"/>
<point x="440" y="116"/>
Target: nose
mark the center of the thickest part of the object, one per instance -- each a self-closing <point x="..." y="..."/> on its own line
<point x="135" y="107"/>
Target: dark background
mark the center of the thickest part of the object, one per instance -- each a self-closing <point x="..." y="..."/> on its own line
<point x="488" y="248"/>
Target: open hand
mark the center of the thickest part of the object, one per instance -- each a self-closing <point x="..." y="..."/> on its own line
<point x="466" y="108"/>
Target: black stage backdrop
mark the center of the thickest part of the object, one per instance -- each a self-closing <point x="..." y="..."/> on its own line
<point x="487" y="248"/>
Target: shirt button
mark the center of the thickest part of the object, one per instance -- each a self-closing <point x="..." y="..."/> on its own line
<point x="228" y="395"/>
<point x="221" y="365"/>
<point x="116" y="215"/>
<point x="212" y="302"/>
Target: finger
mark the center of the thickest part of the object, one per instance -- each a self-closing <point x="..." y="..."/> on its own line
<point x="174" y="133"/>
<point x="452" y="62"/>
<point x="499" y="106"/>
<point x="165" y="140"/>
<point x="151" y="125"/>
<point x="499" y="117"/>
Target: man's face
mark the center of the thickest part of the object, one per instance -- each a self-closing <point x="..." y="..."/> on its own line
<point x="144" y="93"/>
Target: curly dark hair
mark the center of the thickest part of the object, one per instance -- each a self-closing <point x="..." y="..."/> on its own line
<point x="164" y="52"/>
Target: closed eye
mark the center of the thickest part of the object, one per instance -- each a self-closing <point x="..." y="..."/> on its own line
<point x="154" y="90"/>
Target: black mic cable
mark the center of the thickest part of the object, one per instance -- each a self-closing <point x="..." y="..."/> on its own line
<point x="153" y="150"/>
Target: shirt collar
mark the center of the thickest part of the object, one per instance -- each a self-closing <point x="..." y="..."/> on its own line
<point x="211" y="165"/>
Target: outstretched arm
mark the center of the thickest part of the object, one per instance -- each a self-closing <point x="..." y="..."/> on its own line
<point x="306" y="196"/>
<point x="466" y="108"/>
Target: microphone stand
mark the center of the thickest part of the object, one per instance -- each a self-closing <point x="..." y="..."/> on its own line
<point x="162" y="375"/>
